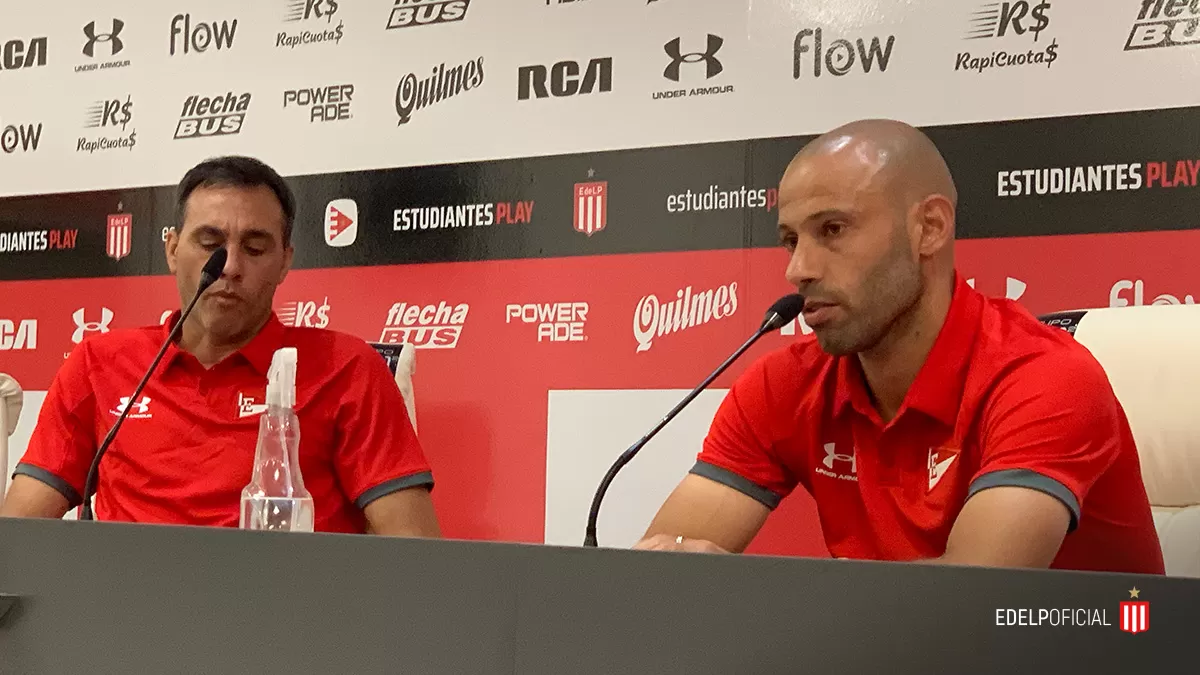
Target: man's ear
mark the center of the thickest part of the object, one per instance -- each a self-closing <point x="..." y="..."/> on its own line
<point x="170" y="247"/>
<point x="935" y="218"/>
<point x="287" y="262"/>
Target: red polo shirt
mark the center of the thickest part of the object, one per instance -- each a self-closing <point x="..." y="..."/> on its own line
<point x="186" y="450"/>
<point x="1001" y="400"/>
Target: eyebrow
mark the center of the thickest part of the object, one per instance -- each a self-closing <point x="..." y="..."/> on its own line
<point x="252" y="233"/>
<point x="820" y="215"/>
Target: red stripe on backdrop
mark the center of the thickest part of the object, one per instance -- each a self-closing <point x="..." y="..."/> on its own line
<point x="481" y="405"/>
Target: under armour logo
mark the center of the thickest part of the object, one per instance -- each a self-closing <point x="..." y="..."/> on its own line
<point x="1013" y="288"/>
<point x="114" y="42"/>
<point x="141" y="407"/>
<point x="832" y="455"/>
<point x="709" y="57"/>
<point x="81" y="326"/>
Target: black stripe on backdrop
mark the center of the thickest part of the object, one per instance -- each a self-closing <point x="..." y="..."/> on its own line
<point x="646" y="188"/>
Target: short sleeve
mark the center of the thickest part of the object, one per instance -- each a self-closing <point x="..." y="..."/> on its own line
<point x="738" y="450"/>
<point x="1054" y="425"/>
<point x="378" y="452"/>
<point x="63" y="443"/>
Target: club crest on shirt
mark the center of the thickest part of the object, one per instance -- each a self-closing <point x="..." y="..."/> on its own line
<point x="249" y="406"/>
<point x="940" y="460"/>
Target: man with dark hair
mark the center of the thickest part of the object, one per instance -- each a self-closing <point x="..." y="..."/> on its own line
<point x="928" y="422"/>
<point x="187" y="449"/>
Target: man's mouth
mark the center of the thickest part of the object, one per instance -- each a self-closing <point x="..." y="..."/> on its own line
<point x="817" y="312"/>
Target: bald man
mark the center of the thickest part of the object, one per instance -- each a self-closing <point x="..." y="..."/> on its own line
<point x="929" y="423"/>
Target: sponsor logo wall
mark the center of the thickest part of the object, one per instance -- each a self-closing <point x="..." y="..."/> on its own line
<point x="522" y="258"/>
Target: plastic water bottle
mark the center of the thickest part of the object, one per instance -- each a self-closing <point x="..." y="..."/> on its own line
<point x="275" y="498"/>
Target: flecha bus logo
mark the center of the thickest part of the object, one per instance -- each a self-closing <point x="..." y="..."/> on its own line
<point x="425" y="326"/>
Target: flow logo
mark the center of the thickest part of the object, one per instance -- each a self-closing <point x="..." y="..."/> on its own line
<point x="200" y="37"/>
<point x="20" y="137"/>
<point x="841" y="55"/>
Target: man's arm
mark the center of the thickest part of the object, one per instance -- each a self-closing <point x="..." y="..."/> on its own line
<point x="1007" y="527"/>
<point x="1052" y="429"/>
<point x="31" y="498"/>
<point x="407" y="513"/>
<point x="722" y="504"/>
<point x="711" y="518"/>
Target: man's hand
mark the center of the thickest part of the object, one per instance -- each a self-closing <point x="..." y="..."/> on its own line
<point x="665" y="542"/>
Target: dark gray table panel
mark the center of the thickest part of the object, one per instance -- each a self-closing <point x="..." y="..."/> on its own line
<point x="109" y="598"/>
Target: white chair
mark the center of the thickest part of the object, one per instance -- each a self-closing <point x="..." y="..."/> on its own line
<point x="406" y="366"/>
<point x="1151" y="354"/>
<point x="11" y="400"/>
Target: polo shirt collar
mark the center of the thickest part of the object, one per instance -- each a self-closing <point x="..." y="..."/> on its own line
<point x="258" y="352"/>
<point x="938" y="388"/>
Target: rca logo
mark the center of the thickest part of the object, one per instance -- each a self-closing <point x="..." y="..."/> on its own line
<point x="556" y="322"/>
<point x="425" y="327"/>
<point x="1117" y="299"/>
<point x="1013" y="288"/>
<point x="18" y="335"/>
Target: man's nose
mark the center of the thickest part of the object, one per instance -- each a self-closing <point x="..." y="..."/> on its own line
<point x="233" y="263"/>
<point x="804" y="267"/>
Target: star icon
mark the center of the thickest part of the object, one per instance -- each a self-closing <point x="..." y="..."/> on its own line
<point x="591" y="173"/>
<point x="1133" y="593"/>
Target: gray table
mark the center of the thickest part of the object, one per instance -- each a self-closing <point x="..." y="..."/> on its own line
<point x="116" y="598"/>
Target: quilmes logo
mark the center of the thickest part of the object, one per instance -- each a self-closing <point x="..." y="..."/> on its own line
<point x="341" y="222"/>
<point x="109" y="116"/>
<point x="425" y="326"/>
<point x="653" y="318"/>
<point x="19" y="137"/>
<point x="555" y="321"/>
<point x="409" y="13"/>
<point x="188" y="38"/>
<point x="15" y="54"/>
<point x="678" y="59"/>
<point x="413" y="94"/>
<point x="218" y="116"/>
<point x="312" y="11"/>
<point x="18" y="335"/>
<point x="840" y="56"/>
<point x="102" y="40"/>
<point x="1165" y="23"/>
<point x="1117" y="295"/>
<point x="304" y="313"/>
<point x="462" y="215"/>
<point x="565" y="78"/>
<point x="324" y="104"/>
<point x="1012" y="22"/>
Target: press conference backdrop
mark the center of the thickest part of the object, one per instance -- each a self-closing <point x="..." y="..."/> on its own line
<point x="570" y="207"/>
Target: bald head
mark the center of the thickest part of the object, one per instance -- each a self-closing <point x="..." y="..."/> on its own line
<point x="867" y="211"/>
<point x="899" y="155"/>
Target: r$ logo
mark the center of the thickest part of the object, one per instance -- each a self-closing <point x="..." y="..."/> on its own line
<point x="1020" y="17"/>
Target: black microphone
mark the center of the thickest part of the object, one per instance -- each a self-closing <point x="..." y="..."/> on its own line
<point x="784" y="310"/>
<point x="211" y="272"/>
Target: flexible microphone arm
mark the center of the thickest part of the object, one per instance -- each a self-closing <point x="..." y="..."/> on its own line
<point x="210" y="273"/>
<point x="784" y="310"/>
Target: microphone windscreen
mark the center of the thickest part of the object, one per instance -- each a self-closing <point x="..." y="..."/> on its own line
<point x="213" y="268"/>
<point x="783" y="311"/>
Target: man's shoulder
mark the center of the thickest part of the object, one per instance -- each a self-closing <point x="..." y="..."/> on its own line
<point x="788" y="372"/>
<point x="332" y="344"/>
<point x="1015" y="344"/>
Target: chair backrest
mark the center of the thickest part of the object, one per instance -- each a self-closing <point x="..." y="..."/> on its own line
<point x="1151" y="354"/>
<point x="11" y="400"/>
